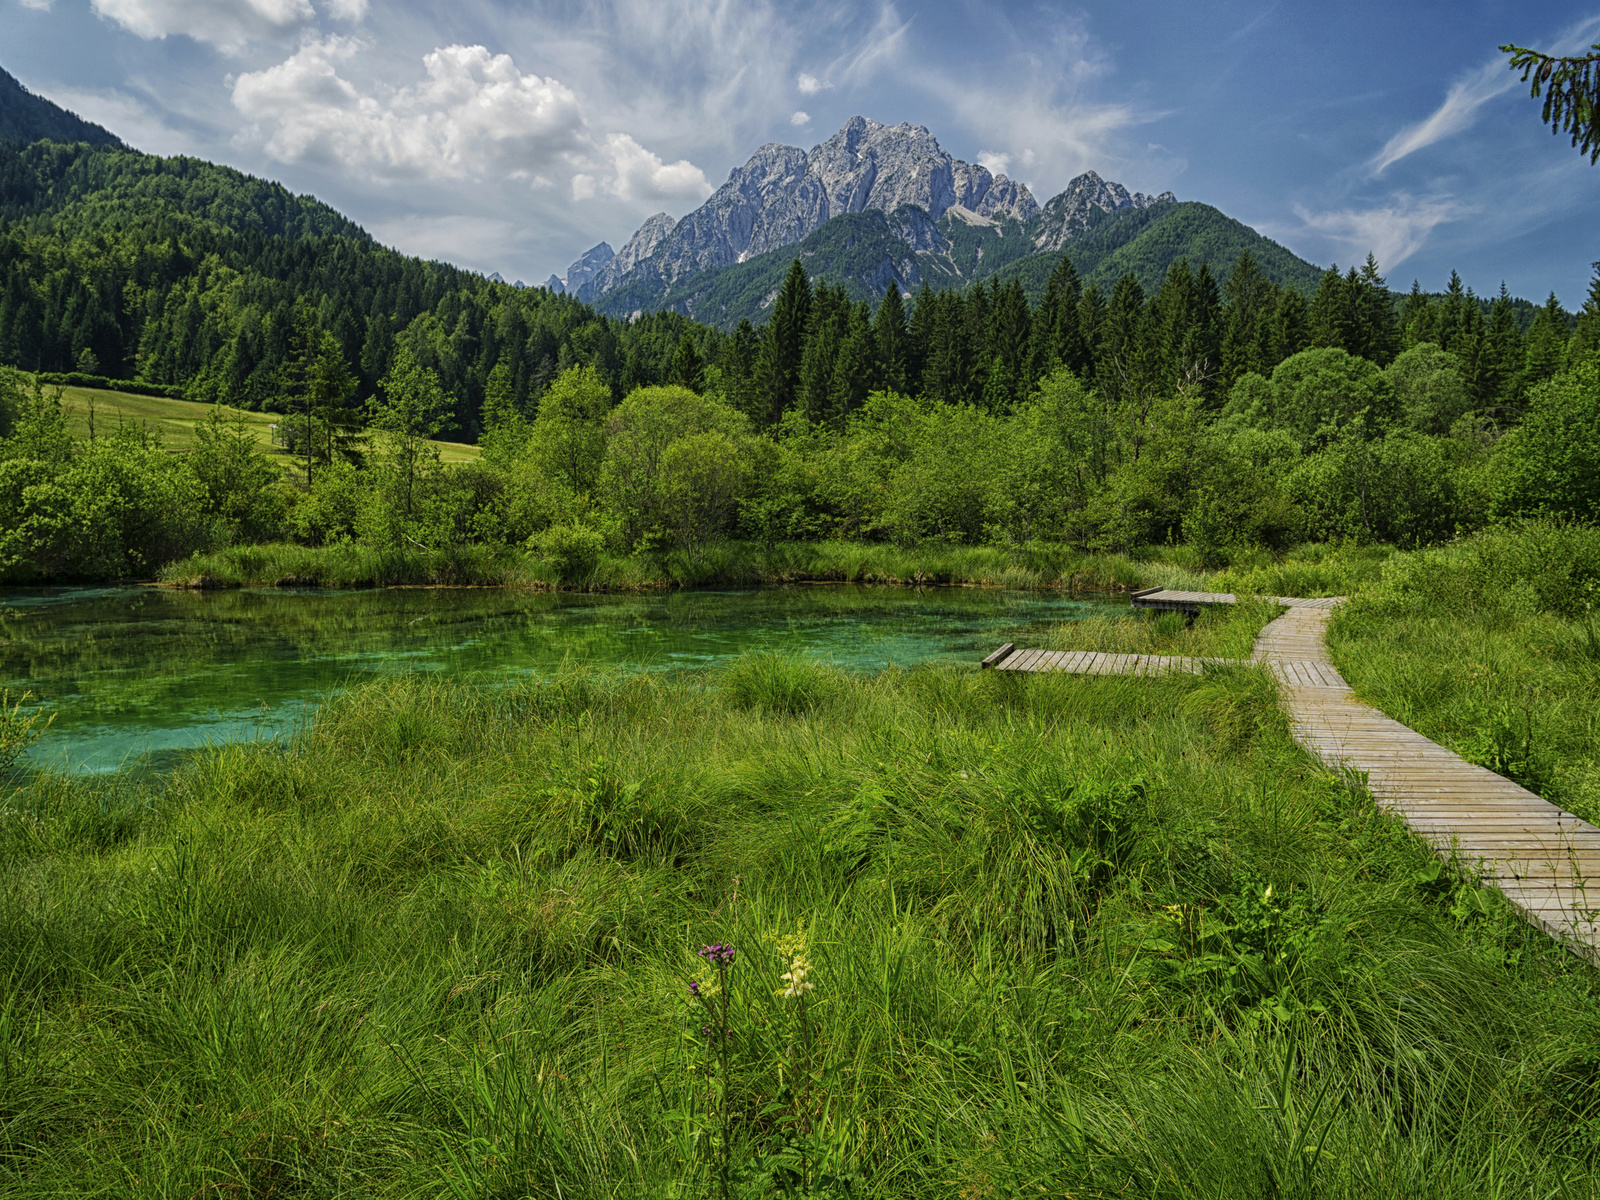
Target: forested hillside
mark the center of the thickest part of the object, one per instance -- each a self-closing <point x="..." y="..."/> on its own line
<point x="175" y="271"/>
<point x="863" y="252"/>
<point x="25" y="117"/>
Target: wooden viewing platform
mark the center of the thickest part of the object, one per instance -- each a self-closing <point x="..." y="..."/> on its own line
<point x="1544" y="860"/>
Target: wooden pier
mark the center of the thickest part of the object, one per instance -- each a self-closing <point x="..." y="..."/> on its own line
<point x="1544" y="860"/>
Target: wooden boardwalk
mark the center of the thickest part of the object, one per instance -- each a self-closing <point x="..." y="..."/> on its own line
<point x="1544" y="860"/>
<point x="1172" y="601"/>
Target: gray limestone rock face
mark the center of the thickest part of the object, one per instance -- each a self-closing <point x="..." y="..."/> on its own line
<point x="587" y="267"/>
<point x="554" y="284"/>
<point x="1070" y="213"/>
<point x="783" y="194"/>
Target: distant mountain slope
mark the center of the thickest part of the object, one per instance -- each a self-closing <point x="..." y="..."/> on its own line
<point x="878" y="202"/>
<point x="25" y="117"/>
<point x="862" y="252"/>
<point x="113" y="187"/>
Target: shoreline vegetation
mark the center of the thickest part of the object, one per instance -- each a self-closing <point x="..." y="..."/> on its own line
<point x="1315" y="570"/>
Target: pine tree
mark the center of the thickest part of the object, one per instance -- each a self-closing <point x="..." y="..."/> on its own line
<point x="1091" y="329"/>
<point x="1547" y="343"/>
<point x="1120" y="365"/>
<point x="1450" y="327"/>
<point x="1246" y="313"/>
<point x="829" y="313"/>
<point x="1009" y="332"/>
<point x="1418" y="319"/>
<point x="778" y="367"/>
<point x="1290" y="328"/>
<point x="1333" y="320"/>
<point x="852" y="368"/>
<point x="687" y="369"/>
<point x="919" y="330"/>
<point x="1503" y="353"/>
<point x="1585" y="340"/>
<point x="1379" y="333"/>
<point x="889" y="337"/>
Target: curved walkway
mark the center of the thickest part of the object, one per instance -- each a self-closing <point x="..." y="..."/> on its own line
<point x="1544" y="860"/>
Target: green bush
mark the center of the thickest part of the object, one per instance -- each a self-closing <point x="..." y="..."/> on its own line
<point x="573" y="551"/>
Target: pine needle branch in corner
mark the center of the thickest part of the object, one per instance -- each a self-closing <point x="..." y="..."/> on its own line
<point x="1571" y="91"/>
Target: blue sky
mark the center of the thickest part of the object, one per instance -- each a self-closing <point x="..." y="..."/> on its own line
<point x="512" y="136"/>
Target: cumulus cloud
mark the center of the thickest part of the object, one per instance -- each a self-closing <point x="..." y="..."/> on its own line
<point x="639" y="174"/>
<point x="36" y="5"/>
<point x="347" y="10"/>
<point x="474" y="116"/>
<point x="810" y="85"/>
<point x="800" y="117"/>
<point x="1392" y="232"/>
<point x="225" y="24"/>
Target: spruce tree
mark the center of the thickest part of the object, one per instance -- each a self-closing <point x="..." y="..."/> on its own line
<point x="1379" y="332"/>
<point x="852" y="368"/>
<point x="1091" y="326"/>
<point x="889" y="337"/>
<point x="1546" y="345"/>
<point x="1246" y="312"/>
<point x="1585" y="340"/>
<point x="778" y="367"/>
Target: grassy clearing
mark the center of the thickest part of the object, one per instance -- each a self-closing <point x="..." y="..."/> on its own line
<point x="1491" y="646"/>
<point x="174" y="420"/>
<point x="1067" y="937"/>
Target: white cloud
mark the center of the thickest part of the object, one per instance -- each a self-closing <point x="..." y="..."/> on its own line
<point x="468" y="241"/>
<point x="1391" y="232"/>
<point x="347" y="10"/>
<point x="36" y="5"/>
<point x="225" y="24"/>
<point x="994" y="163"/>
<point x="475" y="116"/>
<point x="800" y="117"/>
<point x="1458" y="111"/>
<point x="639" y="174"/>
<point x="1466" y="97"/>
<point x="810" y="85"/>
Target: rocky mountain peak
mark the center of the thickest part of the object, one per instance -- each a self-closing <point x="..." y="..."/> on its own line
<point x="782" y="194"/>
<point x="1072" y="211"/>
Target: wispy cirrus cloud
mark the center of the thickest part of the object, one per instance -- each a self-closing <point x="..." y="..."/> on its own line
<point x="1392" y="232"/>
<point x="1466" y="96"/>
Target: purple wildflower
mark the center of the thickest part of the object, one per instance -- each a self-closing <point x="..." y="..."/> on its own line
<point x="694" y="989"/>
<point x="717" y="955"/>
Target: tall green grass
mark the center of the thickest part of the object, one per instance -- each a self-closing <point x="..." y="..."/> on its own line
<point x="1491" y="646"/>
<point x="1068" y="937"/>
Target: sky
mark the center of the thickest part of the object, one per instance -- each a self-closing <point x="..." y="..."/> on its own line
<point x="511" y="137"/>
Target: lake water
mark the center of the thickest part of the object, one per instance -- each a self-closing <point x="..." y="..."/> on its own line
<point x="138" y="675"/>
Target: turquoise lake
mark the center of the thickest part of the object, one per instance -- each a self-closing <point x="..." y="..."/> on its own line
<point x="138" y="675"/>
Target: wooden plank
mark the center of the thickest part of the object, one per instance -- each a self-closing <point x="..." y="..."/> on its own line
<point x="998" y="655"/>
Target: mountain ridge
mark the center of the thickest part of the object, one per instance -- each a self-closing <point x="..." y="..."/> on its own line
<point x="945" y="221"/>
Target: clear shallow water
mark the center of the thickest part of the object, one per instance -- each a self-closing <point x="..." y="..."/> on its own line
<point x="139" y="675"/>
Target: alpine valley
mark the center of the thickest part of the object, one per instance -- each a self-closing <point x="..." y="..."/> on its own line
<point x="879" y="203"/>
